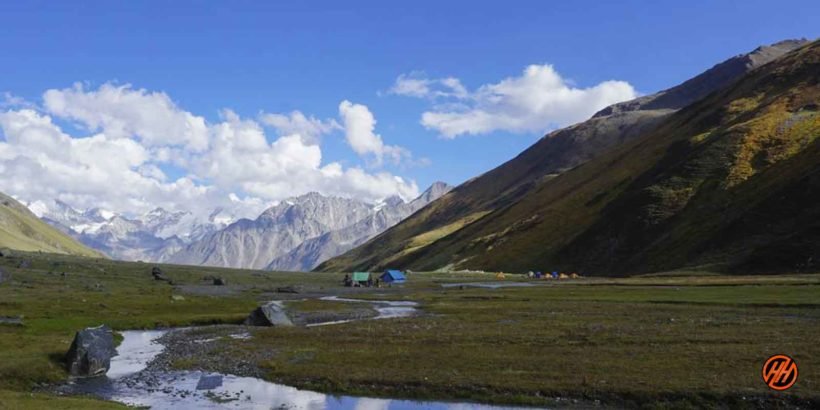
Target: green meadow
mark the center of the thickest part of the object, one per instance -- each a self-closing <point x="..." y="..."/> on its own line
<point x="674" y="340"/>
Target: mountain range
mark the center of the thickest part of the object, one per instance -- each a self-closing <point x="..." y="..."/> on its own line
<point x="153" y="236"/>
<point x="301" y="232"/>
<point x="720" y="170"/>
<point x="296" y="234"/>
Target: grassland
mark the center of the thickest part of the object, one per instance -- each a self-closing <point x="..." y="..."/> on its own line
<point x="678" y="340"/>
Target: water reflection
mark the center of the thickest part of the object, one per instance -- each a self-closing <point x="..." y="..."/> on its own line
<point x="129" y="382"/>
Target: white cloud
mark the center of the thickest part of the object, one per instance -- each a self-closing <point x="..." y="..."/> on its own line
<point x="417" y="85"/>
<point x="124" y="112"/>
<point x="536" y="101"/>
<point x="11" y="100"/>
<point x="360" y="125"/>
<point x="309" y="128"/>
<point x="121" y="164"/>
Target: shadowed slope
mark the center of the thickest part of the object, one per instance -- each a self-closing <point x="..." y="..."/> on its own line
<point x="488" y="195"/>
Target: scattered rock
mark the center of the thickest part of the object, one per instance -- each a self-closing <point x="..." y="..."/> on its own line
<point x="270" y="314"/>
<point x="209" y="382"/>
<point x="98" y="287"/>
<point x="4" y="276"/>
<point x="24" y="264"/>
<point x="177" y="298"/>
<point x="288" y="289"/>
<point x="90" y="353"/>
<point x="219" y="282"/>
<point x="157" y="273"/>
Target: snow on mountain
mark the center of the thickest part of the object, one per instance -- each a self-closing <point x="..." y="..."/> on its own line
<point x="299" y="233"/>
<point x="153" y="236"/>
<point x="295" y="234"/>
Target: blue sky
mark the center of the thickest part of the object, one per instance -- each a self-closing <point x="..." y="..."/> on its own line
<point x="277" y="57"/>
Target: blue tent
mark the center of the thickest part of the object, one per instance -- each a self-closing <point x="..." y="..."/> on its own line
<point x="392" y="276"/>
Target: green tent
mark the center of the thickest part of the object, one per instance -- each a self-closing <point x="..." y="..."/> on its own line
<point x="361" y="276"/>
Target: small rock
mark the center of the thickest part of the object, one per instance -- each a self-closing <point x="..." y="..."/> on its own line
<point x="4" y="276"/>
<point x="24" y="264"/>
<point x="270" y="314"/>
<point x="209" y="382"/>
<point x="157" y="273"/>
<point x="177" y="298"/>
<point x="219" y="282"/>
<point x="90" y="353"/>
<point x="287" y="289"/>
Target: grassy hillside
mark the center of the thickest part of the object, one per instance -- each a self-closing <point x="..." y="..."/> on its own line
<point x="22" y="230"/>
<point x="729" y="180"/>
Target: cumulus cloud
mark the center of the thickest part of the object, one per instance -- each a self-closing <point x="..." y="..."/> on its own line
<point x="124" y="112"/>
<point x="536" y="101"/>
<point x="360" y="126"/>
<point x="308" y="128"/>
<point x="121" y="163"/>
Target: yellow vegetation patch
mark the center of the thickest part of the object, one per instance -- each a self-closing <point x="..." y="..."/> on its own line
<point x="770" y="138"/>
<point x="436" y="234"/>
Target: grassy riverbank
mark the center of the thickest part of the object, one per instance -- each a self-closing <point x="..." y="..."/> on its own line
<point x="682" y="340"/>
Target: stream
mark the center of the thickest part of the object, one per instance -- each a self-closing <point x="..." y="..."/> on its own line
<point x="129" y="381"/>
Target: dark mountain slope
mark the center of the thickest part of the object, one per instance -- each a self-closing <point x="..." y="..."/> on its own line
<point x="552" y="155"/>
<point x="731" y="180"/>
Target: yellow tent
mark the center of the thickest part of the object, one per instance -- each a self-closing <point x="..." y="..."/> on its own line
<point x="562" y="276"/>
<point x="574" y="275"/>
<point x="500" y="276"/>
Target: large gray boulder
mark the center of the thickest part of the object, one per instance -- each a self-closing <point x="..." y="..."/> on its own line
<point x="269" y="314"/>
<point x="90" y="353"/>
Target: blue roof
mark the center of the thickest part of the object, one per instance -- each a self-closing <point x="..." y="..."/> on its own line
<point x="393" y="275"/>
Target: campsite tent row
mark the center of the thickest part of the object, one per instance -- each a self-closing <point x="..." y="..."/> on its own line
<point x="389" y="276"/>
<point x="554" y="275"/>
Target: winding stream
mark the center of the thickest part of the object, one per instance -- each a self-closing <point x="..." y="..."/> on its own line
<point x="128" y="381"/>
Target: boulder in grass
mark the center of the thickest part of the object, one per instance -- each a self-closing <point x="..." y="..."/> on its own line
<point x="157" y="273"/>
<point x="219" y="282"/>
<point x="90" y="353"/>
<point x="4" y="276"/>
<point x="269" y="314"/>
